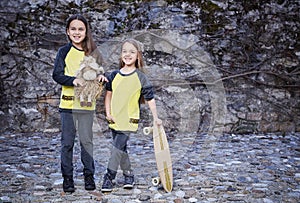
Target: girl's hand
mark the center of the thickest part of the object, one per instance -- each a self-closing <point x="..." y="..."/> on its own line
<point x="102" y="78"/>
<point x="157" y="121"/>
<point x="110" y="119"/>
<point x="78" y="82"/>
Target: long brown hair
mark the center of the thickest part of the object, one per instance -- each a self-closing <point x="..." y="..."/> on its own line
<point x="139" y="63"/>
<point x="88" y="43"/>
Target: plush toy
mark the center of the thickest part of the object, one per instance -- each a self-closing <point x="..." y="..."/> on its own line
<point x="91" y="90"/>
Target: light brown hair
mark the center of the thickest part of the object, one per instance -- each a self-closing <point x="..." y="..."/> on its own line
<point x="139" y="63"/>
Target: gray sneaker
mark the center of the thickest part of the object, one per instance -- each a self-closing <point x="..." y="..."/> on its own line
<point x="107" y="185"/>
<point x="129" y="181"/>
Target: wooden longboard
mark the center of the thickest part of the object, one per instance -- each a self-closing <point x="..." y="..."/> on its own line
<point x="162" y="156"/>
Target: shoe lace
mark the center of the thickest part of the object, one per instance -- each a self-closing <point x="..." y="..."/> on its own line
<point x="89" y="179"/>
<point x="107" y="180"/>
<point x="129" y="179"/>
<point x="68" y="182"/>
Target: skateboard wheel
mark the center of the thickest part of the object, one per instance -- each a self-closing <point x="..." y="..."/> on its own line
<point x="156" y="181"/>
<point x="147" y="130"/>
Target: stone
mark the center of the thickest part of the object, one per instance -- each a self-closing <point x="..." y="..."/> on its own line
<point x="192" y="199"/>
<point x="260" y="167"/>
<point x="180" y="194"/>
<point x="178" y="201"/>
<point x="116" y="201"/>
<point x="144" y="198"/>
<point x="182" y="45"/>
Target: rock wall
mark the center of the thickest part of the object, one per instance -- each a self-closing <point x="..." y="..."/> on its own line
<point x="218" y="66"/>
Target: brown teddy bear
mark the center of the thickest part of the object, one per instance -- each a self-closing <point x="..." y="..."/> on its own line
<point x="91" y="90"/>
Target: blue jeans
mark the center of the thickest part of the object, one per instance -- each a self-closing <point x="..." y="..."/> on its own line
<point x="84" y="123"/>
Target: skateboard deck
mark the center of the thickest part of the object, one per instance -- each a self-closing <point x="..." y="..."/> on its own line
<point x="162" y="157"/>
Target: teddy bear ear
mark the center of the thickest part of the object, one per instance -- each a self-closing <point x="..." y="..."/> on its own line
<point x="94" y="65"/>
<point x="101" y="69"/>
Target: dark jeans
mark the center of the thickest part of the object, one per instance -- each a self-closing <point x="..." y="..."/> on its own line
<point x="83" y="122"/>
<point x="119" y="155"/>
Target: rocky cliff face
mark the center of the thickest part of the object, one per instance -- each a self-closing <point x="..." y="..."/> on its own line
<point x="216" y="65"/>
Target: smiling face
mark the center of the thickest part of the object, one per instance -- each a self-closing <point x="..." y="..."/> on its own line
<point x="77" y="33"/>
<point x="129" y="54"/>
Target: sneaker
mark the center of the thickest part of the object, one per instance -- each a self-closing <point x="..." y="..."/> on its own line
<point x="89" y="183"/>
<point x="129" y="182"/>
<point x="107" y="185"/>
<point x="68" y="184"/>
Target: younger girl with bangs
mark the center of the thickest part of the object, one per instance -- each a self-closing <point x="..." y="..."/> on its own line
<point x="124" y="90"/>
